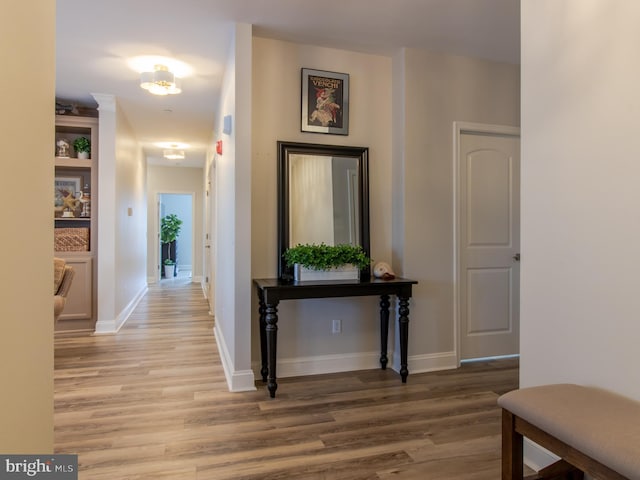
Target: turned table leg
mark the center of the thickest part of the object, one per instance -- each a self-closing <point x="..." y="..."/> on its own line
<point x="384" y="330"/>
<point x="271" y="330"/>
<point x="263" y="336"/>
<point x="404" y="336"/>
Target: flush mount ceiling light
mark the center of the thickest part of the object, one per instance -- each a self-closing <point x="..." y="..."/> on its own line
<point x="172" y="145"/>
<point x="173" y="154"/>
<point x="161" y="81"/>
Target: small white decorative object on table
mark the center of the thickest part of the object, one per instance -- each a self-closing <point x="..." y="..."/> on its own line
<point x="383" y="270"/>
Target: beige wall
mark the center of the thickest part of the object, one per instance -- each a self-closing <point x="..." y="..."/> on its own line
<point x="26" y="313"/>
<point x="305" y="326"/>
<point x="173" y="180"/>
<point x="436" y="90"/>
<point x="580" y="194"/>
<point x="131" y="215"/>
<point x="403" y="109"/>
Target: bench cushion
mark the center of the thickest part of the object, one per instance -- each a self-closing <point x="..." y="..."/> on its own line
<point x="601" y="424"/>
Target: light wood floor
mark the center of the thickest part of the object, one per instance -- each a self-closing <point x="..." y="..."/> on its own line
<point x="152" y="403"/>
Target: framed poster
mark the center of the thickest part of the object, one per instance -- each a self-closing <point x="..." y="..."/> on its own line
<point x="325" y="102"/>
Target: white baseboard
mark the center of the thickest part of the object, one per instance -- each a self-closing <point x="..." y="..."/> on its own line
<point x="429" y="362"/>
<point x="301" y="366"/>
<point x="237" y="381"/>
<point x="111" y="326"/>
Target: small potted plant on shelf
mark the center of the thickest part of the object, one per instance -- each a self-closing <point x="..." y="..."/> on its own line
<point x="82" y="146"/>
<point x="326" y="262"/>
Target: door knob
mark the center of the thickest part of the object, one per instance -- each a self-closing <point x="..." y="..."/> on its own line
<point x="516" y="257"/>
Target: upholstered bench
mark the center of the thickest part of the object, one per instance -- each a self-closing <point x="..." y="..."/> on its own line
<point x="592" y="430"/>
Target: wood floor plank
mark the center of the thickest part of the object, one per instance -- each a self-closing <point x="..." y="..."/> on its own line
<point x="151" y="402"/>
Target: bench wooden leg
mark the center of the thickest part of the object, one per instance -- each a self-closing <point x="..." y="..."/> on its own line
<point x="512" y="465"/>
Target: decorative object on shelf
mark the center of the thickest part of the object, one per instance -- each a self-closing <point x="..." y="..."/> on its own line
<point x="65" y="189"/>
<point x="85" y="201"/>
<point x="62" y="148"/>
<point x="169" y="232"/>
<point x="71" y="239"/>
<point x="66" y="108"/>
<point x="82" y="146"/>
<point x="383" y="270"/>
<point x="161" y="81"/>
<point x="325" y="102"/>
<point x="69" y="205"/>
<point x="71" y="109"/>
<point x="336" y="262"/>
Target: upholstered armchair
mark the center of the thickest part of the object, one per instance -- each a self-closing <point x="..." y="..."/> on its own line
<point x="62" y="277"/>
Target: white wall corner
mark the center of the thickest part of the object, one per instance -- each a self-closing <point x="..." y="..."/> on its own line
<point x="110" y="326"/>
<point x="106" y="102"/>
<point x="237" y="381"/>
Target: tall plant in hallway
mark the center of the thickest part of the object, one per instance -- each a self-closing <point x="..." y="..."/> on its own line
<point x="169" y="232"/>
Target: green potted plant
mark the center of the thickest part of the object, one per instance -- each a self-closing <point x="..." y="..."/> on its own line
<point x="82" y="146"/>
<point x="326" y="262"/>
<point x="169" y="232"/>
<point x="169" y="268"/>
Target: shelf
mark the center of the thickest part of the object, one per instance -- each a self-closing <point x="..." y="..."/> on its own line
<point x="73" y="162"/>
<point x="75" y="238"/>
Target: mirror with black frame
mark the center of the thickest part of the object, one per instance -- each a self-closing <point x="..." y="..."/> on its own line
<point x="323" y="197"/>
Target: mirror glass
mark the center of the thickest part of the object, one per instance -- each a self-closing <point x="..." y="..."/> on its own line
<point x="322" y="196"/>
<point x="323" y="200"/>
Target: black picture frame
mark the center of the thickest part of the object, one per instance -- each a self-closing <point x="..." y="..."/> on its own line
<point x="325" y="102"/>
<point x="285" y="151"/>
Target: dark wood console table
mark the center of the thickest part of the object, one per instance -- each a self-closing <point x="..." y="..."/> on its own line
<point x="271" y="291"/>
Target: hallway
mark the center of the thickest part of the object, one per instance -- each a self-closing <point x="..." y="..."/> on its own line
<point x="152" y="403"/>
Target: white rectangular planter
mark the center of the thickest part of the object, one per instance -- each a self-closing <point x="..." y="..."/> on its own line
<point x="346" y="272"/>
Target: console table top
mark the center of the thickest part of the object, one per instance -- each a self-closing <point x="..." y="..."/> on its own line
<point x="276" y="289"/>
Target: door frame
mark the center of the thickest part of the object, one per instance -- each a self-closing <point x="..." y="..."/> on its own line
<point x="157" y="249"/>
<point x="460" y="128"/>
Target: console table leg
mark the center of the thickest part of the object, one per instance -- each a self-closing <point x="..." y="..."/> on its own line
<point x="384" y="330"/>
<point x="263" y="337"/>
<point x="271" y="330"/>
<point x="404" y="336"/>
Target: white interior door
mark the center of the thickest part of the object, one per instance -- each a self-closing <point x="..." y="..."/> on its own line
<point x="489" y="244"/>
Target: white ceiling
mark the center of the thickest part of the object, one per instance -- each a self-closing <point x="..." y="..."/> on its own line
<point x="95" y="39"/>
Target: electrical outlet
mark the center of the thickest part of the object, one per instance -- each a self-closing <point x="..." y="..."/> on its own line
<point x="336" y="326"/>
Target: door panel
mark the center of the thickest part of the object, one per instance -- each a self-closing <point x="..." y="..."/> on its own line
<point x="489" y="276"/>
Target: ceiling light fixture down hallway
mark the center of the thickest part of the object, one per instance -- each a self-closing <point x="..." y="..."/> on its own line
<point x="173" y="154"/>
<point x="161" y="81"/>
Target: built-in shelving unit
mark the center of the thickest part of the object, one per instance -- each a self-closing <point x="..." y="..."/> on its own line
<point x="74" y="211"/>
